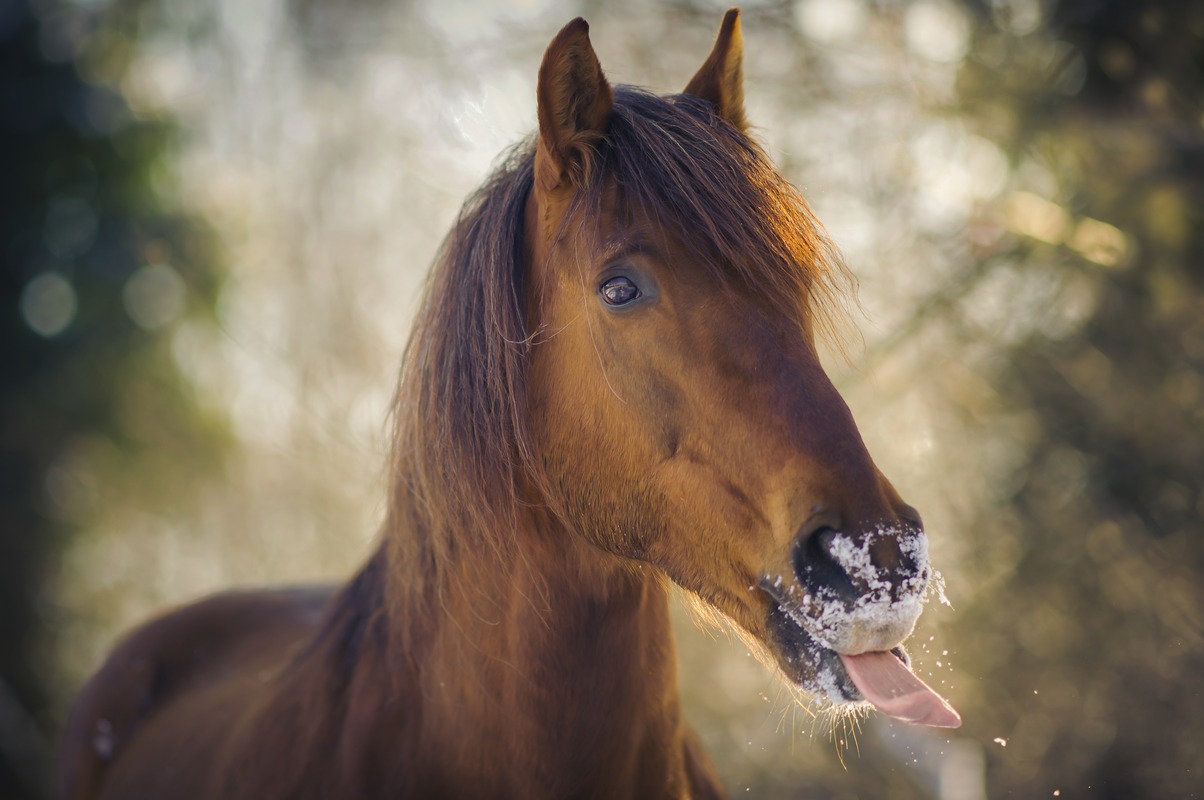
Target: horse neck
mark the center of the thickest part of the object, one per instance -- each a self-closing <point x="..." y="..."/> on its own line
<point x="544" y="662"/>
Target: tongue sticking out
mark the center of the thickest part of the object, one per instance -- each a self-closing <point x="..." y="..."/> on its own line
<point x="892" y="688"/>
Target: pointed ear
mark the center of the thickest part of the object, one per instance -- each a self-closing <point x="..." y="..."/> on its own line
<point x="721" y="79"/>
<point x="574" y="106"/>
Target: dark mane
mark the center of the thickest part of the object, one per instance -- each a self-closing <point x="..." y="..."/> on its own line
<point x="675" y="161"/>
<point x="463" y="463"/>
<point x="460" y="442"/>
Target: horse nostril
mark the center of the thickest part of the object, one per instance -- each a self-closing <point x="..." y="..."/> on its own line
<point x="816" y="567"/>
<point x="910" y="517"/>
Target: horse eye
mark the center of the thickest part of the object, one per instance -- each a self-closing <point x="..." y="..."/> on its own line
<point x="619" y="290"/>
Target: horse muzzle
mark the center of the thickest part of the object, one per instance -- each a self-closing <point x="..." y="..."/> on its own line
<point x="856" y="592"/>
<point x="838" y="622"/>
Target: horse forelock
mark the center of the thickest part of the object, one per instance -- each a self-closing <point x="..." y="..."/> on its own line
<point x="464" y="466"/>
<point x="678" y="163"/>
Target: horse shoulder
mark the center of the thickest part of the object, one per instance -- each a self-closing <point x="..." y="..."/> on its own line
<point x="184" y="652"/>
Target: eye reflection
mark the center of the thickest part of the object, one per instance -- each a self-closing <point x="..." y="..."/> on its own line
<point x="619" y="290"/>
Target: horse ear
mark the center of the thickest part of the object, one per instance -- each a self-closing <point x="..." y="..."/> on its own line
<point x="721" y="79"/>
<point x="574" y="105"/>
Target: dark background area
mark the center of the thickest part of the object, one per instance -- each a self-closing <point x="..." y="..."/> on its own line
<point x="78" y="218"/>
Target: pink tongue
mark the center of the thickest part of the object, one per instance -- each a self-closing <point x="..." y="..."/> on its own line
<point x="894" y="689"/>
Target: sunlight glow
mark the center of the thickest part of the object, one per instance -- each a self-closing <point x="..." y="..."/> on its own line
<point x="1049" y="222"/>
<point x="937" y="31"/>
<point x="1037" y="218"/>
<point x="154" y="296"/>
<point x="830" y="21"/>
<point x="1100" y="242"/>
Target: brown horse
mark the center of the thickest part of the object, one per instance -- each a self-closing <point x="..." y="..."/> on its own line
<point x="612" y="384"/>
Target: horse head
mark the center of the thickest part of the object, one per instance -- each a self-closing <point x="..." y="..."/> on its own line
<point x="674" y="289"/>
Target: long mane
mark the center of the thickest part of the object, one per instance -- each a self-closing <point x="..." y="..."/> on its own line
<point x="463" y="463"/>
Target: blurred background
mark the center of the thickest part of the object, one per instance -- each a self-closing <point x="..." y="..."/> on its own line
<point x="216" y="215"/>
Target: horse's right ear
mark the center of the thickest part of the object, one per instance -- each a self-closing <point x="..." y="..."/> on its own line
<point x="574" y="106"/>
<point x="721" y="79"/>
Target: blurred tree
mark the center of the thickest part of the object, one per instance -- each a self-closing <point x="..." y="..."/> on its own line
<point x="95" y="270"/>
<point x="1091" y="643"/>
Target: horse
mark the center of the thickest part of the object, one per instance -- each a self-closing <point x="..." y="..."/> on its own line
<point x="613" y="385"/>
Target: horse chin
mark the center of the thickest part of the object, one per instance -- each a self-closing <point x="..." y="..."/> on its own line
<point x="810" y="665"/>
<point x="807" y="663"/>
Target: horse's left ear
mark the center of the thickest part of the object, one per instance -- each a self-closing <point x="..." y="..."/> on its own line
<point x="574" y="105"/>
<point x="721" y="79"/>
